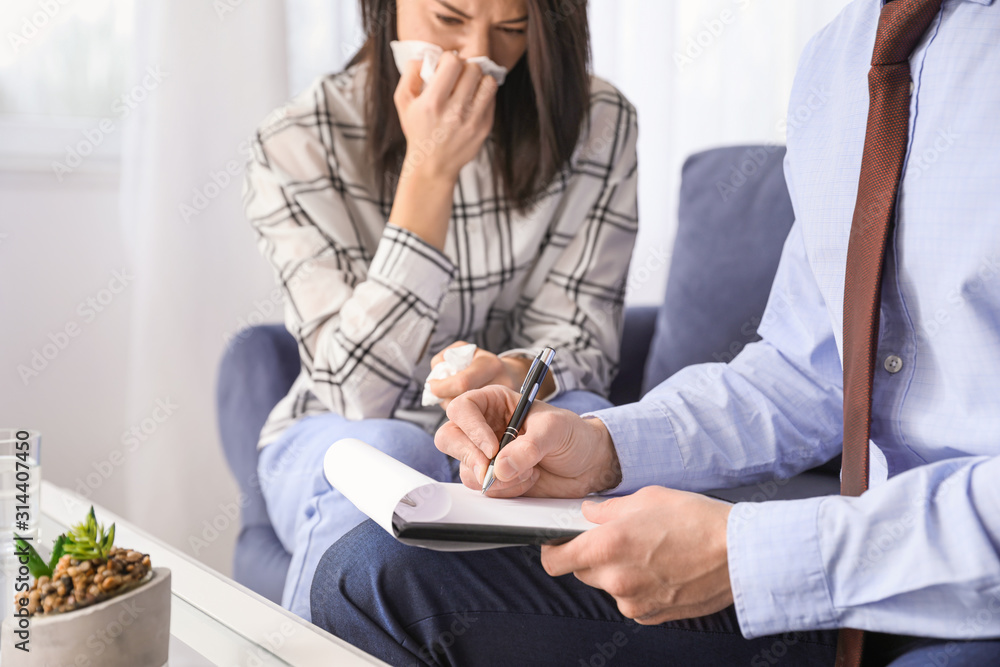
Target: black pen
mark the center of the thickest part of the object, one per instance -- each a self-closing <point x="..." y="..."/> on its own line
<point x="529" y="389"/>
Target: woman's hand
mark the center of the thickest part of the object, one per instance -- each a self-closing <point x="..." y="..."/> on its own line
<point x="445" y="125"/>
<point x="486" y="369"/>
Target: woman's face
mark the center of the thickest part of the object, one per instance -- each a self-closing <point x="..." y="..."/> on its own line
<point x="493" y="28"/>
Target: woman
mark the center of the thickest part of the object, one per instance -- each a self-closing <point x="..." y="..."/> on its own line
<point x="402" y="218"/>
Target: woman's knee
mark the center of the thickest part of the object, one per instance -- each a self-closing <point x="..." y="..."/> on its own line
<point x="299" y="449"/>
<point x="406" y="443"/>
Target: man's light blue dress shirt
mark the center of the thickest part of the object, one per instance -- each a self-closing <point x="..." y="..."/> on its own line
<point x="919" y="554"/>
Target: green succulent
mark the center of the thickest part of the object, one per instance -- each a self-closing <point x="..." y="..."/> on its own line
<point x="88" y="540"/>
<point x="84" y="541"/>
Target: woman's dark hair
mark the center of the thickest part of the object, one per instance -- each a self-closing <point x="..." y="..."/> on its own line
<point x="540" y="109"/>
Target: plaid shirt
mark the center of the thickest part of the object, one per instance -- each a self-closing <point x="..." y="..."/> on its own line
<point x="370" y="303"/>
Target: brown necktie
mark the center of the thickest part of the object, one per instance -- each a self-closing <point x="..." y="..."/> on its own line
<point x="900" y="27"/>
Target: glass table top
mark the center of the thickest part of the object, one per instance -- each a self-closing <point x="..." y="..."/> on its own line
<point x="190" y="627"/>
<point x="213" y="619"/>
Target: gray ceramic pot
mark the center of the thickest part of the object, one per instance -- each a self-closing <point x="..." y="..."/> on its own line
<point x="130" y="630"/>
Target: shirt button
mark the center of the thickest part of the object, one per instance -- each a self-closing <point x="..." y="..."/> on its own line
<point x="893" y="364"/>
<point x="911" y="86"/>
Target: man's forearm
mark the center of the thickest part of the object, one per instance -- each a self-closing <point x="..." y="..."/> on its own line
<point x="914" y="556"/>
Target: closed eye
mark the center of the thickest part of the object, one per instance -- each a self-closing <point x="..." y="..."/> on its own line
<point x="514" y="31"/>
<point x="449" y="20"/>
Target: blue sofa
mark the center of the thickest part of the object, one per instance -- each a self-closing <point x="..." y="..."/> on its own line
<point x="733" y="217"/>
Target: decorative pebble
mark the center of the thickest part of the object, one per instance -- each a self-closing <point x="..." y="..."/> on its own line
<point x="75" y="584"/>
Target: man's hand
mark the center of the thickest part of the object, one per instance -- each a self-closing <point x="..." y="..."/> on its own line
<point x="557" y="455"/>
<point x="660" y="553"/>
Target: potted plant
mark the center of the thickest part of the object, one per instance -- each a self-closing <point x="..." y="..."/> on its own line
<point x="91" y="603"/>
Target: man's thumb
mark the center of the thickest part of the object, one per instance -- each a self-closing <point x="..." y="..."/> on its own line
<point x="601" y="512"/>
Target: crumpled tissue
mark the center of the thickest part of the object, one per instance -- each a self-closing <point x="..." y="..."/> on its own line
<point x="430" y="54"/>
<point x="455" y="359"/>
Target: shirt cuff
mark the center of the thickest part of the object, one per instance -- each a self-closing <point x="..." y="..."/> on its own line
<point x="776" y="568"/>
<point x="646" y="446"/>
<point x="406" y="262"/>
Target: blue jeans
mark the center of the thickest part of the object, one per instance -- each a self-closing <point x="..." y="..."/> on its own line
<point x="309" y="515"/>
<point x="412" y="606"/>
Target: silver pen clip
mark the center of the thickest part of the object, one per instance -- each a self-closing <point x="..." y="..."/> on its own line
<point x="527" y="376"/>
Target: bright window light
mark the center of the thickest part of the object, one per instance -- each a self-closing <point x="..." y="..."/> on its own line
<point x="63" y="57"/>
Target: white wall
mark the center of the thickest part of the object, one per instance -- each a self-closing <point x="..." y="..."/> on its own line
<point x="60" y="247"/>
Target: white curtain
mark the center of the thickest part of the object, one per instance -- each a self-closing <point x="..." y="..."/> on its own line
<point x="198" y="274"/>
<point x="702" y="73"/>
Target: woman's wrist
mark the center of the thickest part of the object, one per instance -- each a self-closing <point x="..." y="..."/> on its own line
<point x="423" y="205"/>
<point x="417" y="165"/>
<point x="517" y="369"/>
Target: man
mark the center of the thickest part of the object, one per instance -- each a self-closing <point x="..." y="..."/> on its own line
<point x="894" y="176"/>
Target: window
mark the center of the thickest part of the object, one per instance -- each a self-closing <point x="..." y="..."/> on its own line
<point x="63" y="63"/>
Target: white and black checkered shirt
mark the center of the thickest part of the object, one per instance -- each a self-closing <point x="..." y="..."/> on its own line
<point x="370" y="303"/>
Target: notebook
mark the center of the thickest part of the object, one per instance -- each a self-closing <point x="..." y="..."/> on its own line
<point x="420" y="511"/>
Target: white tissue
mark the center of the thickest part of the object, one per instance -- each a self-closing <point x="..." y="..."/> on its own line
<point x="430" y="54"/>
<point x="490" y="68"/>
<point x="455" y="359"/>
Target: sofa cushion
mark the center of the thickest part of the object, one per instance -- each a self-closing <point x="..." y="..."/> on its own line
<point x="733" y="217"/>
